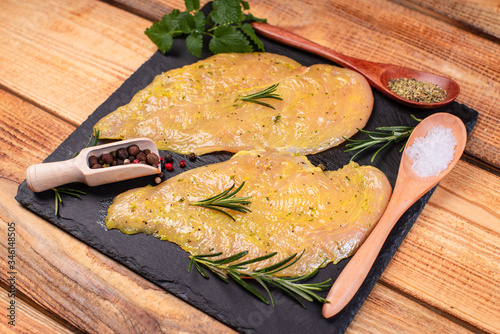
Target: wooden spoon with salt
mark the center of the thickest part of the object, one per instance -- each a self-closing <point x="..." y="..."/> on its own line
<point x="377" y="74"/>
<point x="408" y="189"/>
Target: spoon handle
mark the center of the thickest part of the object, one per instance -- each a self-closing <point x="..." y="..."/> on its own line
<point x="370" y="70"/>
<point x="45" y="176"/>
<point x="354" y="274"/>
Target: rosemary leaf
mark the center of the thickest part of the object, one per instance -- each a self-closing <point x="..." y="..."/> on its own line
<point x="267" y="93"/>
<point x="230" y="259"/>
<point x="58" y="199"/>
<point x="278" y="266"/>
<point x="384" y="136"/>
<point x="265" y="276"/>
<point x="226" y="200"/>
<point x="93" y="140"/>
<point x="257" y="259"/>
<point x="237" y="278"/>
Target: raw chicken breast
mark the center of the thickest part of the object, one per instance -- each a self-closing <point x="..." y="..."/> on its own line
<point x="196" y="108"/>
<point x="295" y="206"/>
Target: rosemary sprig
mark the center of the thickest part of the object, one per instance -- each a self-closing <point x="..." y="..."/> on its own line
<point x="237" y="271"/>
<point x="58" y="198"/>
<point x="226" y="200"/>
<point x="384" y="135"/>
<point x="93" y="140"/>
<point x="267" y="93"/>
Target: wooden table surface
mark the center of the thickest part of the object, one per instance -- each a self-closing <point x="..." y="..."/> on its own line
<point x="59" y="60"/>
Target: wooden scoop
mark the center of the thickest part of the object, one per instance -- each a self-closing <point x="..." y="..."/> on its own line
<point x="377" y="74"/>
<point x="45" y="176"/>
<point x="409" y="188"/>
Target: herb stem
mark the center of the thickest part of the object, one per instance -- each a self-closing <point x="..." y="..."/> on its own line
<point x="385" y="135"/>
<point x="226" y="200"/>
<point x="268" y="93"/>
<point x="224" y="268"/>
<point x="58" y="199"/>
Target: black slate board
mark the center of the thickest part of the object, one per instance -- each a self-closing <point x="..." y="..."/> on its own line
<point x="165" y="264"/>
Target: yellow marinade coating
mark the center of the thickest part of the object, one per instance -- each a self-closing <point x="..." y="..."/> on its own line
<point x="294" y="206"/>
<point x="195" y="108"/>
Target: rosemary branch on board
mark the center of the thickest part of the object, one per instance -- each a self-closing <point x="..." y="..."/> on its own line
<point x="267" y="93"/>
<point x="384" y="135"/>
<point x="237" y="271"/>
<point x="67" y="191"/>
<point x="93" y="140"/>
<point x="226" y="200"/>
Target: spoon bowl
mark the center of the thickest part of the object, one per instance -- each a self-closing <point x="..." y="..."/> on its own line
<point x="451" y="88"/>
<point x="44" y="176"/>
<point x="377" y="74"/>
<point x="408" y="189"/>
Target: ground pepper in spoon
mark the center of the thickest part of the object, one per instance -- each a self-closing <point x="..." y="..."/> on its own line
<point x="377" y="74"/>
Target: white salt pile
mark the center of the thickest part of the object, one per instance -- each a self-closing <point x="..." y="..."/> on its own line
<point x="433" y="153"/>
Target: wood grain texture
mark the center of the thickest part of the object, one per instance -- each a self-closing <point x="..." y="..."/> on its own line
<point x="99" y="296"/>
<point x="28" y="319"/>
<point x="450" y="257"/>
<point x="61" y="59"/>
<point x="481" y="16"/>
<point x="27" y="135"/>
<point x="384" y="31"/>
<point x="68" y="57"/>
<point x="83" y="275"/>
<point x="400" y="315"/>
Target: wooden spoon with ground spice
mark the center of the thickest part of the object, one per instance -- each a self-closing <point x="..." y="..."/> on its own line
<point x="377" y="74"/>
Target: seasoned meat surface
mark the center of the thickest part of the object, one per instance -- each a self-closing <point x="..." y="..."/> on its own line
<point x="295" y="206"/>
<point x="197" y="108"/>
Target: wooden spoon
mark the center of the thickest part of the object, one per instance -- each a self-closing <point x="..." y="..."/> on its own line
<point x="45" y="176"/>
<point x="377" y="74"/>
<point x="408" y="189"/>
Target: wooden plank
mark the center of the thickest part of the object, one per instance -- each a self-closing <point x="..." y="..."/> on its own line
<point x="27" y="135"/>
<point x="27" y="319"/>
<point x="384" y="31"/>
<point x="480" y="16"/>
<point x="68" y="57"/>
<point x="449" y="259"/>
<point x="400" y="315"/>
<point x="98" y="296"/>
<point x="80" y="268"/>
<point x="89" y="290"/>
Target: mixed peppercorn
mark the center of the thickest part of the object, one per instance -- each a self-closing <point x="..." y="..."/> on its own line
<point x="123" y="156"/>
<point x="133" y="155"/>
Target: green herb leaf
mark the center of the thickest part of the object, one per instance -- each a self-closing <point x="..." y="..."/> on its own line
<point x="194" y="43"/>
<point x="229" y="39"/>
<point x="93" y="140"/>
<point x="227" y="27"/>
<point x="226" y="12"/>
<point x="186" y="22"/>
<point x="200" y="22"/>
<point x="250" y="32"/>
<point x="245" y="4"/>
<point x="192" y="5"/>
<point x="162" y="33"/>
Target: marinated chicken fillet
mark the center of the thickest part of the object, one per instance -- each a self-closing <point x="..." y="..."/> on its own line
<point x="196" y="108"/>
<point x="294" y="207"/>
